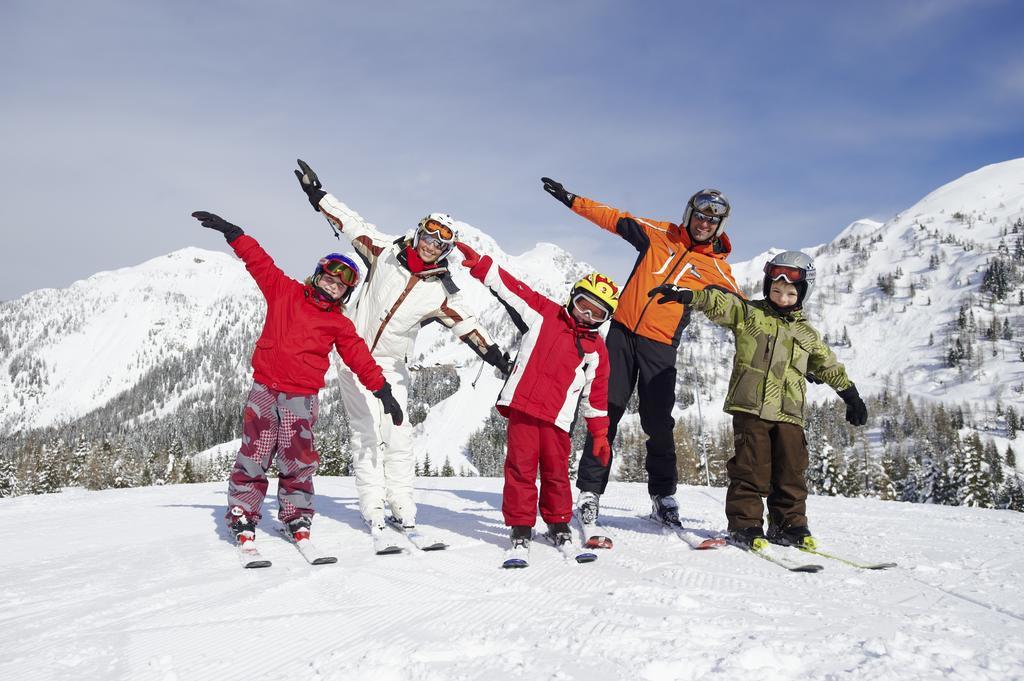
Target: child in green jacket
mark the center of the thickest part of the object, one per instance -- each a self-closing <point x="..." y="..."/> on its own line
<point x="776" y="348"/>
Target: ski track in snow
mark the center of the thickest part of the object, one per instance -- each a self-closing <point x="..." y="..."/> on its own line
<point x="144" y="584"/>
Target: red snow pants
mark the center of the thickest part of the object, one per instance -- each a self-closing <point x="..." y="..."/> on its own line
<point x="276" y="426"/>
<point x="532" y="441"/>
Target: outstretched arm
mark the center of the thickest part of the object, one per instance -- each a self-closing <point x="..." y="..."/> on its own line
<point x="259" y="263"/>
<point x="368" y="241"/>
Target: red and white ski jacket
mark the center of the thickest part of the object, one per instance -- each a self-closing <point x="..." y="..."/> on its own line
<point x="559" y="363"/>
<point x="395" y="302"/>
<point x="293" y="352"/>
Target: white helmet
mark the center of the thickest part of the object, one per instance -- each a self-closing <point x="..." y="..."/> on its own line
<point x="710" y="202"/>
<point x="795" y="267"/>
<point x="441" y="227"/>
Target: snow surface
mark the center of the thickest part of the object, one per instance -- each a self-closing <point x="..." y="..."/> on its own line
<point x="144" y="584"/>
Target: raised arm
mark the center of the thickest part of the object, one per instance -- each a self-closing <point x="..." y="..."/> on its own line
<point x="267" y="275"/>
<point x="368" y="241"/>
<point x="520" y="298"/>
<point x="635" y="230"/>
<point x="721" y="306"/>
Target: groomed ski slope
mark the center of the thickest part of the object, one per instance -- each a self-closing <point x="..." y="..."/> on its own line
<point x="143" y="584"/>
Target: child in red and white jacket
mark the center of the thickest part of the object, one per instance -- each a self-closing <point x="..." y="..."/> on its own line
<point x="304" y="322"/>
<point x="562" y="361"/>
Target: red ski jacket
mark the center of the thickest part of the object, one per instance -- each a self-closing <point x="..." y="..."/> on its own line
<point x="293" y="353"/>
<point x="559" y="363"/>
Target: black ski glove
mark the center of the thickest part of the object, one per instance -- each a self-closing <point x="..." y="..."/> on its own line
<point x="390" y="403"/>
<point x="211" y="221"/>
<point x="672" y="293"/>
<point x="813" y="378"/>
<point x="856" y="410"/>
<point x="558" y="191"/>
<point x="499" y="360"/>
<point x="310" y="184"/>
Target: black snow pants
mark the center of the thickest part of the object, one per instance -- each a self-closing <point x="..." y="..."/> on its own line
<point x="650" y="367"/>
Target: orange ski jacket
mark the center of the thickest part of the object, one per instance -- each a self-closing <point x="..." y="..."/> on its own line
<point x="667" y="256"/>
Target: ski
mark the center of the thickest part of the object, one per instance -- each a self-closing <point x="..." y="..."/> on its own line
<point x="691" y="537"/>
<point x="384" y="541"/>
<point x="594" y="535"/>
<point x="250" y="556"/>
<point x="569" y="550"/>
<point x="849" y="561"/>
<point x="516" y="557"/>
<point x="762" y="549"/>
<point x="415" y="537"/>
<point x="308" y="549"/>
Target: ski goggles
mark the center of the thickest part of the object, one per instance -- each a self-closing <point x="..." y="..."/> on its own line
<point x="340" y="269"/>
<point x="713" y="204"/>
<point x="793" y="275"/>
<point x="710" y="219"/>
<point x="590" y="308"/>
<point x="442" y="233"/>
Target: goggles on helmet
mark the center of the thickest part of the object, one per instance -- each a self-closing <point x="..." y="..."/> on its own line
<point x="589" y="307"/>
<point x="711" y="204"/>
<point x="340" y="269"/>
<point x="793" y="275"/>
<point x="442" y="233"/>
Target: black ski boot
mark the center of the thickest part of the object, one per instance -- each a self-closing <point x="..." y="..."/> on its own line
<point x="559" y="533"/>
<point x="241" y="527"/>
<point x="666" y="510"/>
<point x="521" y="536"/>
<point x="792" y="535"/>
<point x="750" y="537"/>
<point x="298" y="528"/>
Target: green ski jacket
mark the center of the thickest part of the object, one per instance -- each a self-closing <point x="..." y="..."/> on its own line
<point x="773" y="354"/>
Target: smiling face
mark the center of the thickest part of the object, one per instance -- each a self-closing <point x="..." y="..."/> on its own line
<point x="703" y="227"/>
<point x="334" y="287"/>
<point x="783" y="294"/>
<point x="430" y="248"/>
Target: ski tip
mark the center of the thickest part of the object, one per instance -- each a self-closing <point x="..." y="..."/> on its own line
<point x="435" y="547"/>
<point x="389" y="551"/>
<point x="324" y="560"/>
<point x="257" y="564"/>
<point x="807" y="568"/>
<point x="514" y="563"/>
<point x="598" y="543"/>
<point x="586" y="557"/>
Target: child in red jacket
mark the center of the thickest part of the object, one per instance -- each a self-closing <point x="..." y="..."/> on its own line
<point x="303" y="323"/>
<point x="562" y="361"/>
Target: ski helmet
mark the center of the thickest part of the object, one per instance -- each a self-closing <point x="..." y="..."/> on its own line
<point x="709" y="202"/>
<point x="440" y="226"/>
<point x="598" y="290"/>
<point x="795" y="267"/>
<point x="340" y="266"/>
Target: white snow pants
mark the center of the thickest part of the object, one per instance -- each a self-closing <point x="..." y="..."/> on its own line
<point x="382" y="458"/>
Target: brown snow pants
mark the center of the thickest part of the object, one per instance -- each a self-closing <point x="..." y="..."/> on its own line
<point x="770" y="461"/>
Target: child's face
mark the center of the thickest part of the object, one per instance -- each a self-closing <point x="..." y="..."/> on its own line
<point x="333" y="286"/>
<point x="782" y="293"/>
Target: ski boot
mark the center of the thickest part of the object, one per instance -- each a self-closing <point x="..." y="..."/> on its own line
<point x="559" y="533"/>
<point x="520" y="536"/>
<point x="241" y="527"/>
<point x="588" y="507"/>
<point x="749" y="537"/>
<point x="666" y="510"/>
<point x="298" y="528"/>
<point x="792" y="535"/>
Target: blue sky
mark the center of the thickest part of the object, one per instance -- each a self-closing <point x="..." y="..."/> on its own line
<point x="120" y="118"/>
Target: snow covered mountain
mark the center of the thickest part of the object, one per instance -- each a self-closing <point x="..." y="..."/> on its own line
<point x="913" y="301"/>
<point x="143" y="584"/>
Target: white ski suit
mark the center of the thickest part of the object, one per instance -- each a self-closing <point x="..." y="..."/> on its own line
<point x="393" y="305"/>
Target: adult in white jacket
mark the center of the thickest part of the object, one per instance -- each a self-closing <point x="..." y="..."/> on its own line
<point x="407" y="286"/>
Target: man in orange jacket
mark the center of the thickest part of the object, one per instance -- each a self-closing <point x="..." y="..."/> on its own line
<point x="644" y="336"/>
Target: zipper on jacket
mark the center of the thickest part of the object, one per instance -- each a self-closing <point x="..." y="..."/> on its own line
<point x="651" y="299"/>
<point x="394" y="308"/>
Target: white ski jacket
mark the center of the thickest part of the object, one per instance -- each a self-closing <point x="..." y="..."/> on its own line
<point x="394" y="302"/>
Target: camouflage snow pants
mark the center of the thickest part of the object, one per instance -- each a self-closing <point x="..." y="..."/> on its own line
<point x="276" y="426"/>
